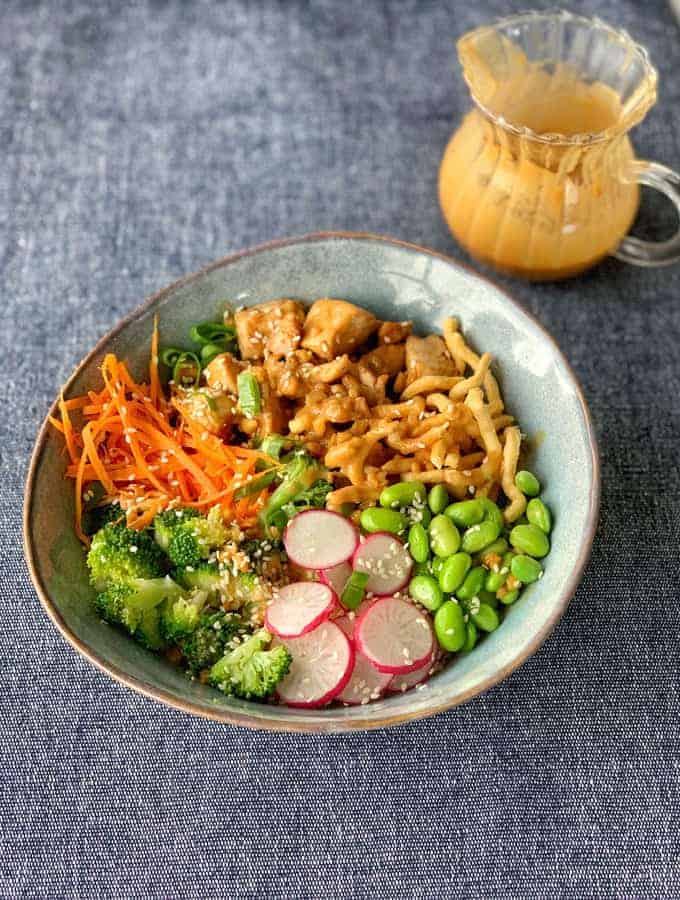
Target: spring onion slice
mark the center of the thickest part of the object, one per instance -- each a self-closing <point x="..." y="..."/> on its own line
<point x="255" y="486"/>
<point x="209" y="352"/>
<point x="272" y="445"/>
<point x="170" y="355"/>
<point x="353" y="592"/>
<point x="212" y="333"/>
<point x="187" y="370"/>
<point x="249" y="397"/>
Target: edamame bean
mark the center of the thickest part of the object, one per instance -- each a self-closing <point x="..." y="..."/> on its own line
<point x="477" y="537"/>
<point x="497" y="548"/>
<point x="436" y="564"/>
<point x="530" y="540"/>
<point x="426" y="591"/>
<point x="449" y="626"/>
<point x="438" y="498"/>
<point x="418" y="543"/>
<point x="486" y="618"/>
<point x="527" y="483"/>
<point x="495" y="581"/>
<point x="465" y="512"/>
<point x="488" y="598"/>
<point x="473" y="584"/>
<point x="401" y="494"/>
<point x="492" y="513"/>
<point x="421" y="514"/>
<point x="508" y="558"/>
<point x="453" y="572"/>
<point x="444" y="536"/>
<point x="538" y="514"/>
<point x="470" y="636"/>
<point x="526" y="569"/>
<point x="375" y="518"/>
<point x="509" y="598"/>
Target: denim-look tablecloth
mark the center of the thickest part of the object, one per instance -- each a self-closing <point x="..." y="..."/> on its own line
<point x="139" y="141"/>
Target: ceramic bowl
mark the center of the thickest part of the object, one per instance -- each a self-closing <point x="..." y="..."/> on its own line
<point x="396" y="281"/>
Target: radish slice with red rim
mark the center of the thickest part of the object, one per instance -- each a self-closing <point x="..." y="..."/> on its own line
<point x="298" y="608"/>
<point x="349" y="620"/>
<point x="337" y="577"/>
<point x="394" y="635"/>
<point x="322" y="663"/>
<point x="386" y="561"/>
<point x="366" y="683"/>
<point x="400" y="683"/>
<point x="320" y="539"/>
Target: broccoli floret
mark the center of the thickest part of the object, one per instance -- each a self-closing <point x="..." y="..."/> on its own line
<point x="205" y="577"/>
<point x="165" y="523"/>
<point x="298" y="475"/>
<point x="206" y="644"/>
<point x="181" y="615"/>
<point x="188" y="538"/>
<point x="96" y="517"/>
<point x="149" y="632"/>
<point x="250" y="670"/>
<point x="130" y="604"/>
<point x="313" y="498"/>
<point x="119" y="553"/>
<point x="248" y="593"/>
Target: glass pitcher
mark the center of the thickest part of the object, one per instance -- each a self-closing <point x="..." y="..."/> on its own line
<point x="540" y="180"/>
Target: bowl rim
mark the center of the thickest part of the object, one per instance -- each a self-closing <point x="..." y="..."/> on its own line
<point x="243" y="719"/>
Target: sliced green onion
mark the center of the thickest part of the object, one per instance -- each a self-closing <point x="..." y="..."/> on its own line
<point x="255" y="486"/>
<point x="187" y="370"/>
<point x="272" y="445"/>
<point x="170" y="355"/>
<point x="209" y="352"/>
<point x="353" y="592"/>
<point x="249" y="397"/>
<point x="212" y="333"/>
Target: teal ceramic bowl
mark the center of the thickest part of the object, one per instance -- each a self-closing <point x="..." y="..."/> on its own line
<point x="396" y="281"/>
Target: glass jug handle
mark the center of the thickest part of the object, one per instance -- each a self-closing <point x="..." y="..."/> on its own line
<point x="653" y="253"/>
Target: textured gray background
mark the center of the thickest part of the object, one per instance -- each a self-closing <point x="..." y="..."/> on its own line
<point x="140" y="141"/>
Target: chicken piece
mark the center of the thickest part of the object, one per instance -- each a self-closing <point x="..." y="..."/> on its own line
<point x="334" y="327"/>
<point x="427" y="356"/>
<point x="331" y="371"/>
<point x="385" y="360"/>
<point x="210" y="410"/>
<point x="394" y="332"/>
<point x="221" y="373"/>
<point x="269" y="328"/>
<point x="273" y="417"/>
<point x="287" y="376"/>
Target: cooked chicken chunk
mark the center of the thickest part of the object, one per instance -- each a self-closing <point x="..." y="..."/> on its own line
<point x="394" y="332"/>
<point x="273" y="417"/>
<point x="388" y="359"/>
<point x="274" y="328"/>
<point x="211" y="410"/>
<point x="334" y="327"/>
<point x="221" y="373"/>
<point x="427" y="356"/>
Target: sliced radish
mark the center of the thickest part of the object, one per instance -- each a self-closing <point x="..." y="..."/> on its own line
<point x="336" y="578"/>
<point x="399" y="683"/>
<point x="394" y="635"/>
<point x="349" y="620"/>
<point x="320" y="539"/>
<point x="322" y="665"/>
<point x="298" y="608"/>
<point x="366" y="683"/>
<point x="387" y="562"/>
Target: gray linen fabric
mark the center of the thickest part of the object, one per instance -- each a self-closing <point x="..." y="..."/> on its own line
<point x="139" y="141"/>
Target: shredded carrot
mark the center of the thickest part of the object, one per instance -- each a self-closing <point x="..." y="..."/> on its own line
<point x="148" y="456"/>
